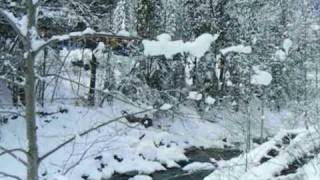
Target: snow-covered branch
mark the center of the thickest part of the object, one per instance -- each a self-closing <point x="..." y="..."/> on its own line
<point x="237" y="49"/>
<point x="165" y="46"/>
<point x="19" y="26"/>
<point x="88" y="33"/>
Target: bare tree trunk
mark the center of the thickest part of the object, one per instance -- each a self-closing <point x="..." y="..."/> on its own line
<point x="31" y="127"/>
<point x="30" y="98"/>
<point x="43" y="83"/>
<point x="317" y="89"/>
<point x="262" y="118"/>
<point x="93" y="74"/>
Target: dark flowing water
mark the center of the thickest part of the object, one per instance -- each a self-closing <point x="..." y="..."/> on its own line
<point x="194" y="155"/>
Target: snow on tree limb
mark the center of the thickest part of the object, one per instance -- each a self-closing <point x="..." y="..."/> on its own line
<point x="19" y="26"/>
<point x="165" y="46"/>
<point x="237" y="49"/>
<point x="87" y="33"/>
<point x="261" y="77"/>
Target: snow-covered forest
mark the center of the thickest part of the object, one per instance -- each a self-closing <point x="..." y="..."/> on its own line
<point x="159" y="89"/>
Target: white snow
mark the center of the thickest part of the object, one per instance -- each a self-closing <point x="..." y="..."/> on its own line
<point x="37" y="43"/>
<point x="88" y="31"/>
<point x="99" y="50"/>
<point x="198" y="166"/>
<point x="287" y="44"/>
<point x="281" y="55"/>
<point x="260" y="77"/>
<point x="315" y="27"/>
<point x="210" y="100"/>
<point x="141" y="177"/>
<point x="165" y="107"/>
<point x="237" y="49"/>
<point x="21" y="24"/>
<point x="194" y="95"/>
<point x="142" y="150"/>
<point x="123" y="33"/>
<point x="165" y="46"/>
<point x="305" y="142"/>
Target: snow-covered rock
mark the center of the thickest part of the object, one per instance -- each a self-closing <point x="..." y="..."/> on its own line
<point x="141" y="177"/>
<point x="269" y="159"/>
<point x="198" y="166"/>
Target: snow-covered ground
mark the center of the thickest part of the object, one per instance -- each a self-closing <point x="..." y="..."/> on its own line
<point x="120" y="147"/>
<point x="276" y="159"/>
<point x="117" y="148"/>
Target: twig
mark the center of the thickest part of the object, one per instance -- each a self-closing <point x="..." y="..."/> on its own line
<point x="80" y="159"/>
<point x="9" y="175"/>
<point x="10" y="152"/>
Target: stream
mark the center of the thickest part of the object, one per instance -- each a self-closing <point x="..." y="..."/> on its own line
<point x="194" y="155"/>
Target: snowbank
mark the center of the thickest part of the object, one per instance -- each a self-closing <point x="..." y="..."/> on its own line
<point x="269" y="160"/>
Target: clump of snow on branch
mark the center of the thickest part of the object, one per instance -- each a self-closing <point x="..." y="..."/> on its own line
<point x="315" y="27"/>
<point x="166" y="107"/>
<point x="165" y="46"/>
<point x="287" y="44"/>
<point x="21" y="24"/>
<point x="237" y="49"/>
<point x="210" y="100"/>
<point x="261" y="77"/>
<point x="123" y="33"/>
<point x="193" y="95"/>
<point x="282" y="54"/>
